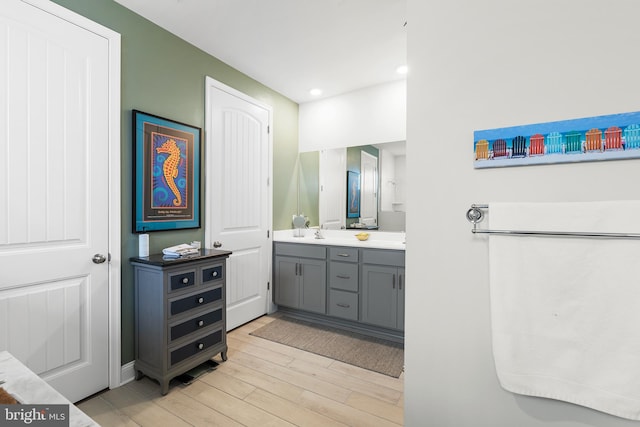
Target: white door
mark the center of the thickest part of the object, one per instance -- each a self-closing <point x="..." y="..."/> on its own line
<point x="368" y="189"/>
<point x="54" y="221"/>
<point x="333" y="188"/>
<point x="238" y="216"/>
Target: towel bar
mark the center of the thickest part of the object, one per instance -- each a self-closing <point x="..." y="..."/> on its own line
<point x="476" y="215"/>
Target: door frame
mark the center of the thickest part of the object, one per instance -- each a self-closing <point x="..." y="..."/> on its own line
<point x="115" y="258"/>
<point x="211" y="82"/>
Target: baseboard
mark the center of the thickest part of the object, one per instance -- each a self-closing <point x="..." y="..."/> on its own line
<point x="127" y="373"/>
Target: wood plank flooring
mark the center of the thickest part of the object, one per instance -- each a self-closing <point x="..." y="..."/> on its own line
<point x="262" y="383"/>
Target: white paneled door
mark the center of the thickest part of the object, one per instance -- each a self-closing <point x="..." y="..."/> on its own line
<point x="238" y="200"/>
<point x="54" y="198"/>
<point x="368" y="189"/>
<point x="332" y="202"/>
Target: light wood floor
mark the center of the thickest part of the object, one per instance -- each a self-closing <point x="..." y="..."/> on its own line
<point x="261" y="384"/>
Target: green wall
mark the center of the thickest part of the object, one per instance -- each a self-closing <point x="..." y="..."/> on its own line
<point x="309" y="192"/>
<point x="165" y="76"/>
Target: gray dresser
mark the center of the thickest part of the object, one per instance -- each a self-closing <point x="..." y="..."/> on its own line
<point x="180" y="313"/>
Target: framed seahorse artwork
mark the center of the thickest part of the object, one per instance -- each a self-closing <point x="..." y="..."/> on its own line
<point x="166" y="162"/>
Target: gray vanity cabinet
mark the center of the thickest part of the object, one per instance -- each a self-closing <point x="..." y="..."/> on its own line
<point x="301" y="276"/>
<point x="343" y="282"/>
<point x="180" y="313"/>
<point x="383" y="288"/>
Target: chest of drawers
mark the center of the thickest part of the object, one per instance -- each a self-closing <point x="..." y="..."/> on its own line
<point x="180" y="313"/>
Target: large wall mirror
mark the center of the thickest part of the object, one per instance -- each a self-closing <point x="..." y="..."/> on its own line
<point x="323" y="192"/>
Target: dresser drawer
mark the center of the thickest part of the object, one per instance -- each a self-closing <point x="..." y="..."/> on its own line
<point x="195" y="323"/>
<point x="301" y="250"/>
<point x="200" y="299"/>
<point x="212" y="273"/>
<point x="383" y="257"/>
<point x="182" y="279"/>
<point x="343" y="304"/>
<point x="343" y="254"/>
<point x="195" y="347"/>
<point x="343" y="275"/>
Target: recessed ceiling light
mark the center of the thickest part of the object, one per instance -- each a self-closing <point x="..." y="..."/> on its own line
<point x="403" y="69"/>
<point x="315" y="92"/>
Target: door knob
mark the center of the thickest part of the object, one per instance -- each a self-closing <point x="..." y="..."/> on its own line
<point x="217" y="244"/>
<point x="98" y="259"/>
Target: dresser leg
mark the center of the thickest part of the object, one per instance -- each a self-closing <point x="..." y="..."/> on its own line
<point x="164" y="387"/>
<point x="223" y="354"/>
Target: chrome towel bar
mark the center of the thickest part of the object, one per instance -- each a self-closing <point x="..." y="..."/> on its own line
<point x="475" y="215"/>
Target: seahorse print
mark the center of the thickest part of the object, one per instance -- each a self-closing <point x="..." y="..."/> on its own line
<point x="170" y="167"/>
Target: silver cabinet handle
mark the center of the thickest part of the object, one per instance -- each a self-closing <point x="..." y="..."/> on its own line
<point x="340" y="276"/>
<point x="200" y="300"/>
<point x="393" y="281"/>
<point x="185" y="280"/>
<point x="344" y="255"/>
<point x="200" y="323"/>
<point x="200" y="346"/>
<point x="214" y="274"/>
<point x="343" y="305"/>
<point x="400" y="281"/>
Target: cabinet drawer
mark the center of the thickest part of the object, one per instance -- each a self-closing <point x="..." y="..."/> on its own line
<point x="195" y="300"/>
<point x="343" y="304"/>
<point x="383" y="257"/>
<point x="182" y="279"/>
<point x="212" y="273"/>
<point x="196" y="346"/>
<point x="305" y="251"/>
<point x="196" y="323"/>
<point x="343" y="275"/>
<point x="343" y="254"/>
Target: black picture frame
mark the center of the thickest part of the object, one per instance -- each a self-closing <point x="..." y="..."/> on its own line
<point x="166" y="174"/>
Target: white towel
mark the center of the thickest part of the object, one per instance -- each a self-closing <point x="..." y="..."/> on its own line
<point x="566" y="311"/>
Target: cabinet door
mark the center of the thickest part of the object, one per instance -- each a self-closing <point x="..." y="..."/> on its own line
<point x="401" y="288"/>
<point x="379" y="295"/>
<point x="313" y="285"/>
<point x="287" y="290"/>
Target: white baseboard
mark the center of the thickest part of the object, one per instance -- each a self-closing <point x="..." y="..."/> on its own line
<point x="127" y="373"/>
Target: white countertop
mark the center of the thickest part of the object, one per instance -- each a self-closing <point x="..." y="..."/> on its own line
<point x="28" y="388"/>
<point x="377" y="239"/>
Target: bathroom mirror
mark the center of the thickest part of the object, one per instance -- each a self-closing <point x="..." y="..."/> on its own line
<point x="323" y="179"/>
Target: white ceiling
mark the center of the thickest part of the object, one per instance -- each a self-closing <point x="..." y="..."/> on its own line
<point x="292" y="46"/>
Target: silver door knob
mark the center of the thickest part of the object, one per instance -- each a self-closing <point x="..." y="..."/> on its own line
<point x="217" y="244"/>
<point x="98" y="259"/>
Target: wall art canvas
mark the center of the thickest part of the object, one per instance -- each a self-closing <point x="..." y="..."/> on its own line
<point x="610" y="137"/>
<point x="353" y="194"/>
<point x="166" y="174"/>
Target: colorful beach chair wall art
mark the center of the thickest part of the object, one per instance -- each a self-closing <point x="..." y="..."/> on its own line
<point x="611" y="137"/>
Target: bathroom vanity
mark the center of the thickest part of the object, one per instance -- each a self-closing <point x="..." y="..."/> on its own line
<point x="342" y="281"/>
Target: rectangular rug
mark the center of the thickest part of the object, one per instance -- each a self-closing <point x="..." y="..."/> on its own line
<point x="374" y="354"/>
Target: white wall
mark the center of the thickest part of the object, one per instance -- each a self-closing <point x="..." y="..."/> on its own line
<point x="481" y="65"/>
<point x="367" y="116"/>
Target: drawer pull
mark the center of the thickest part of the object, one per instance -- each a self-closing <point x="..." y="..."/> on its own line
<point x="340" y="276"/>
<point x="343" y="305"/>
<point x="185" y="280"/>
<point x="200" y="346"/>
<point x="200" y="300"/>
<point x="214" y="274"/>
<point x="344" y="255"/>
<point x="200" y="323"/>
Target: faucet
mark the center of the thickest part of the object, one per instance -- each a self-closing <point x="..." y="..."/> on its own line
<point x="319" y="233"/>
